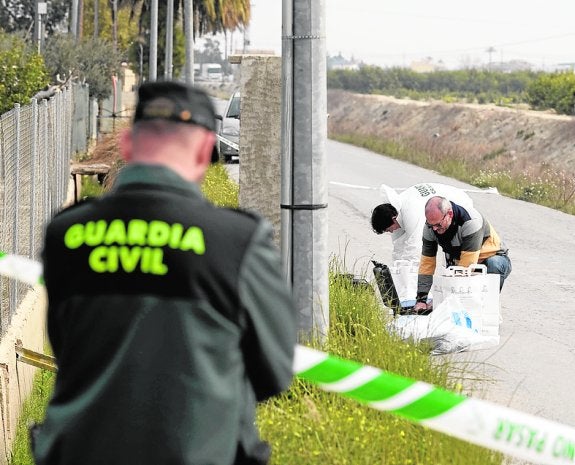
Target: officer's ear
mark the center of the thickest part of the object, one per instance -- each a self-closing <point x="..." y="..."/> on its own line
<point x="126" y="144"/>
<point x="207" y="147"/>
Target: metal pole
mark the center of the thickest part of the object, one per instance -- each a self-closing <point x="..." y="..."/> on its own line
<point x="153" y="64"/>
<point x="304" y="174"/>
<point x="43" y="29"/>
<point x="141" y="56"/>
<point x="286" y="138"/>
<point x="40" y="24"/>
<point x="169" y="39"/>
<point x="74" y="19"/>
<point x="34" y="160"/>
<point x="37" y="25"/>
<point x="189" y="33"/>
<point x="15" y="203"/>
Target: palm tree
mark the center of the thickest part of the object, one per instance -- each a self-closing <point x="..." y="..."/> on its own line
<point x="210" y="16"/>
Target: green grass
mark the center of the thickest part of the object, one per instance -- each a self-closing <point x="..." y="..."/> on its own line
<point x="33" y="411"/>
<point x="542" y="185"/>
<point x="219" y="188"/>
<point x="91" y="187"/>
<point x="308" y="426"/>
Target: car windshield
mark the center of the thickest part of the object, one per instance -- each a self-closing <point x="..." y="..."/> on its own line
<point x="234" y="110"/>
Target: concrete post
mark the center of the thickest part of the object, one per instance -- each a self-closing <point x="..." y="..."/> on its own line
<point x="260" y="133"/>
<point x="304" y="163"/>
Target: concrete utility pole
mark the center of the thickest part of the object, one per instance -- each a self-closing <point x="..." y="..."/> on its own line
<point x="189" y="33"/>
<point x="153" y="62"/>
<point x="304" y="178"/>
<point x="169" y="39"/>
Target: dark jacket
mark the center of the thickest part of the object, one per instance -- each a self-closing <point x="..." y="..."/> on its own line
<point x="169" y="318"/>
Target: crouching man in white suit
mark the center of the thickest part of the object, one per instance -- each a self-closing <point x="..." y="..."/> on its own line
<point x="404" y="216"/>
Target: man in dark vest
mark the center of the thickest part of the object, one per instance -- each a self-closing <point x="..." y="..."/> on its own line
<point x="169" y="317"/>
<point x="466" y="238"/>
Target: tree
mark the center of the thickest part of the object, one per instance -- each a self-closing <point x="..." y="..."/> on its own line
<point x="210" y="16"/>
<point x="18" y="15"/>
<point x="127" y="27"/>
<point x="92" y="61"/>
<point x="22" y="72"/>
<point x="140" y="51"/>
<point x="556" y="91"/>
<point x="210" y="54"/>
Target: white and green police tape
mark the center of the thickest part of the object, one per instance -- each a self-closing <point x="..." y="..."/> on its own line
<point x="479" y="422"/>
<point x="20" y="268"/>
<point x="233" y="145"/>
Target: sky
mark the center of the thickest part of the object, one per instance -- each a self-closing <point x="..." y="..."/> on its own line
<point x="457" y="32"/>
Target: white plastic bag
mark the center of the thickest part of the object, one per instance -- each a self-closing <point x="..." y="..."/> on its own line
<point x="404" y="275"/>
<point x="447" y="329"/>
<point x="477" y="292"/>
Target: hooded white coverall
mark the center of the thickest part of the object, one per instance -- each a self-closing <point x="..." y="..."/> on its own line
<point x="410" y="206"/>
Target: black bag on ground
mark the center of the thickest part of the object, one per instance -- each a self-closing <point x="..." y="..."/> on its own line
<point x="388" y="291"/>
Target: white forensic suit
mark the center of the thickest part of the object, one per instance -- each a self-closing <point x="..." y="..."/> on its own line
<point x="410" y="206"/>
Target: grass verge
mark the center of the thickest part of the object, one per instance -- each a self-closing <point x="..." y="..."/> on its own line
<point x="542" y="185"/>
<point x="33" y="411"/>
<point x="309" y="426"/>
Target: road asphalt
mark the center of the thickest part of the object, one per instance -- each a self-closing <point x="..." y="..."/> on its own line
<point x="533" y="368"/>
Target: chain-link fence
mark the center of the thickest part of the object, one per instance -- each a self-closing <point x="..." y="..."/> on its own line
<point x="36" y="144"/>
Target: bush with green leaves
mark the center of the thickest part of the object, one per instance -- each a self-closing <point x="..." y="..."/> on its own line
<point x="22" y="72"/>
<point x="93" y="61"/>
<point x="553" y="91"/>
<point x="472" y="85"/>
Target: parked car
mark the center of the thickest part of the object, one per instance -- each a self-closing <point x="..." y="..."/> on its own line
<point x="229" y="128"/>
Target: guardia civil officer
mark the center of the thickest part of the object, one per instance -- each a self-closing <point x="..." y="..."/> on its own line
<point x="168" y="316"/>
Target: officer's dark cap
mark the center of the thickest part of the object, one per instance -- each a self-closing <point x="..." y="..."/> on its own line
<point x="174" y="101"/>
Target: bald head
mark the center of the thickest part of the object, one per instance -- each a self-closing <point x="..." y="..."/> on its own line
<point x="437" y="204"/>
<point x="438" y="214"/>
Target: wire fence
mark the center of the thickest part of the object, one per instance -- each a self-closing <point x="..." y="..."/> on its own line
<point x="36" y="145"/>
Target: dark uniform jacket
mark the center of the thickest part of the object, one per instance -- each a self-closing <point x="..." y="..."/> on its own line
<point x="169" y="318"/>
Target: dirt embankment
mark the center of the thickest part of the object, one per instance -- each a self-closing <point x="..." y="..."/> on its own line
<point x="503" y="137"/>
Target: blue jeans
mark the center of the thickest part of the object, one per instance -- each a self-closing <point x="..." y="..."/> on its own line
<point x="499" y="264"/>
